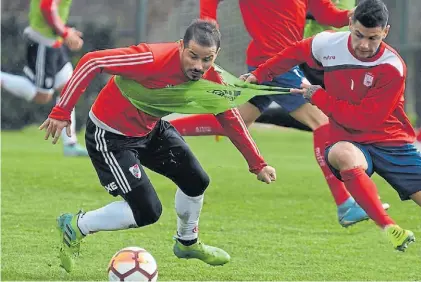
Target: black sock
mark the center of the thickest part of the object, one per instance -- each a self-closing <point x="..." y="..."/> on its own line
<point x="187" y="242"/>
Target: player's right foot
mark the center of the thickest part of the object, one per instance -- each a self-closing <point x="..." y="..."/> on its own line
<point x="350" y="213"/>
<point x="400" y="238"/>
<point x="70" y="239"/>
<point x="208" y="254"/>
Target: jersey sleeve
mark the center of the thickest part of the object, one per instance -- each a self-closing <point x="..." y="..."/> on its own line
<point x="325" y="12"/>
<point x="208" y="9"/>
<point x="237" y="132"/>
<point x="134" y="61"/>
<point x="50" y="13"/>
<point x="378" y="104"/>
<point x="298" y="53"/>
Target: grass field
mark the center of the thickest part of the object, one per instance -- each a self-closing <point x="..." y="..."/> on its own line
<point x="284" y="231"/>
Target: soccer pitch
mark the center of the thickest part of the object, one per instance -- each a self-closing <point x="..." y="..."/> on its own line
<point x="284" y="231"/>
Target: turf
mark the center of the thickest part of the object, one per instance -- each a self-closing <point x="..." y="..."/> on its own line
<point x="284" y="231"/>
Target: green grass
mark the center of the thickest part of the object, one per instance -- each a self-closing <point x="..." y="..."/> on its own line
<point x="284" y="231"/>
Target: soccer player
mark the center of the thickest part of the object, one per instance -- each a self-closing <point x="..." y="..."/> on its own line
<point x="274" y="25"/>
<point x="364" y="100"/>
<point x="48" y="66"/>
<point x="121" y="138"/>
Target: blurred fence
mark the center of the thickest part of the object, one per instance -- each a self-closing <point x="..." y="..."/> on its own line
<point x="166" y="20"/>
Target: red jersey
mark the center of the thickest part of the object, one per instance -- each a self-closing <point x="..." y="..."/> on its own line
<point x="364" y="98"/>
<point x="153" y="66"/>
<point x="276" y="24"/>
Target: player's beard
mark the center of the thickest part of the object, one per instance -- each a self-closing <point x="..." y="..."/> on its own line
<point x="194" y="74"/>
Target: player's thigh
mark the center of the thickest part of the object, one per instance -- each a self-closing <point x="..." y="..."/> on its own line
<point x="345" y="155"/>
<point x="169" y="155"/>
<point x="64" y="67"/>
<point x="41" y="66"/>
<point x="121" y="174"/>
<point x="309" y="115"/>
<point x="400" y="166"/>
<point x="249" y="112"/>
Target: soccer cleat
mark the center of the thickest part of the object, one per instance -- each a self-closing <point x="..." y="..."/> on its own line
<point x="75" y="150"/>
<point x="208" y="254"/>
<point x="350" y="213"/>
<point x="218" y="138"/>
<point x="70" y="239"/>
<point x="400" y="238"/>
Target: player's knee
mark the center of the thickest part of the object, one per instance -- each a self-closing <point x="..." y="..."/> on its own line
<point x="147" y="214"/>
<point x="42" y="98"/>
<point x="344" y="156"/>
<point x="196" y="185"/>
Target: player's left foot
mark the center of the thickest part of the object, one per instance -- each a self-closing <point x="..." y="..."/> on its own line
<point x="75" y="150"/>
<point x="208" y="254"/>
<point x="70" y="239"/>
<point x="400" y="238"/>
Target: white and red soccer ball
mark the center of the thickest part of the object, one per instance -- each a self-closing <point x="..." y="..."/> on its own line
<point x="132" y="264"/>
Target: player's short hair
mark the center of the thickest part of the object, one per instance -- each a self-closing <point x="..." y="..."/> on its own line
<point x="204" y="32"/>
<point x="371" y="13"/>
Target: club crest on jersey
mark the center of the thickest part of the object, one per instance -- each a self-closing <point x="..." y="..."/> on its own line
<point x="368" y="79"/>
<point x="135" y="170"/>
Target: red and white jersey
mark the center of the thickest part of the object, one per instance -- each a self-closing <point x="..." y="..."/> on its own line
<point x="153" y="66"/>
<point x="364" y="98"/>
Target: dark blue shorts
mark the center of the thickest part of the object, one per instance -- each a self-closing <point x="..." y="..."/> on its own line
<point x="400" y="166"/>
<point x="290" y="102"/>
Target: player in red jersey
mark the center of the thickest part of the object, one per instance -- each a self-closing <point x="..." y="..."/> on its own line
<point x="121" y="139"/>
<point x="273" y="26"/>
<point x="364" y="100"/>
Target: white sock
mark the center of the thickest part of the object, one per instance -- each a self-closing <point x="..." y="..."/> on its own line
<point x="20" y="86"/>
<point x="66" y="139"/>
<point x="114" y="216"/>
<point x="188" y="213"/>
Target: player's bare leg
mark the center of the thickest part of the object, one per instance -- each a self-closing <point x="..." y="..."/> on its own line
<point x="416" y="197"/>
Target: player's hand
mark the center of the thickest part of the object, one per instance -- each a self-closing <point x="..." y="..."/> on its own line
<point x="74" y="39"/>
<point x="306" y="90"/>
<point x="249" y="77"/>
<point x="54" y="127"/>
<point x="267" y="174"/>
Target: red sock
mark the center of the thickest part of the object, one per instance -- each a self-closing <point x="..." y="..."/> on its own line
<point x="337" y="187"/>
<point x="198" y="125"/>
<point x="364" y="191"/>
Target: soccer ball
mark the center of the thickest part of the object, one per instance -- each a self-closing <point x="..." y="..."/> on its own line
<point x="132" y="264"/>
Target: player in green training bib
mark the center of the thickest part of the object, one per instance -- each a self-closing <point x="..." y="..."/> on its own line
<point x="48" y="66"/>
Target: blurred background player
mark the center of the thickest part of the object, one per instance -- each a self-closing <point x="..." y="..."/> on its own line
<point x="48" y="67"/>
<point x="273" y="26"/>
<point x="277" y="115"/>
<point x="121" y="138"/>
<point x="364" y="99"/>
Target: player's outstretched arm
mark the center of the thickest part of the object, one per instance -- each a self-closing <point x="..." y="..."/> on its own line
<point x="239" y="135"/>
<point x="132" y="61"/>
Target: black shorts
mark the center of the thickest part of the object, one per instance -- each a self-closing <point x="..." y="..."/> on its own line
<point x="118" y="161"/>
<point x="44" y="63"/>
